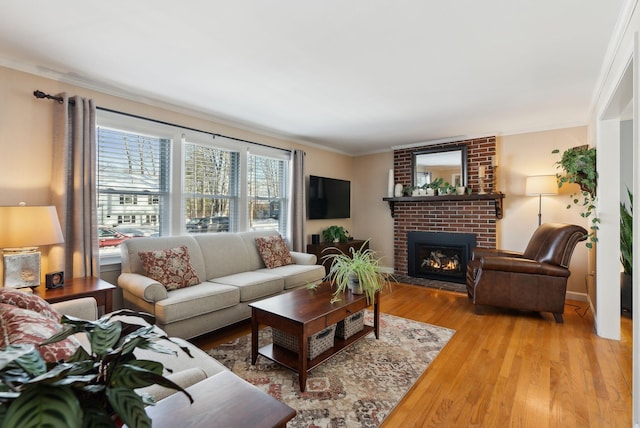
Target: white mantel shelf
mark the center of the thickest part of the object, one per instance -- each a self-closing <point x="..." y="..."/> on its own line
<point x="496" y="197"/>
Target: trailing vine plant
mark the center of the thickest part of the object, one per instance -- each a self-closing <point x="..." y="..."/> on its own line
<point x="579" y="166"/>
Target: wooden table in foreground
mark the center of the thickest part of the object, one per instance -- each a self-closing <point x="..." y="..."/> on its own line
<point x="222" y="401"/>
<point x="74" y="288"/>
<point x="302" y="313"/>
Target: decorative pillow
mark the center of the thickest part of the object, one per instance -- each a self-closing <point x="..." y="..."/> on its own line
<point x="274" y="251"/>
<point x="29" y="301"/>
<point x="170" y="267"/>
<point x="21" y="325"/>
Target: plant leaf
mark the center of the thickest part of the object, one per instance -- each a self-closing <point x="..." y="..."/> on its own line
<point x="44" y="406"/>
<point x="104" y="337"/>
<point x="129" y="407"/>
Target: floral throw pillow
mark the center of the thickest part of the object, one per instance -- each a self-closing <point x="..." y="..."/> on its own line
<point x="274" y="251"/>
<point x="170" y="267"/>
<point x="21" y="325"/>
<point x="29" y="301"/>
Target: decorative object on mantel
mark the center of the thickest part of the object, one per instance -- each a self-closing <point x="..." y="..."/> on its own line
<point x="460" y="190"/>
<point x="398" y="190"/>
<point x="481" y="180"/>
<point x="390" y="184"/>
<point x="579" y="165"/>
<point x="539" y="185"/>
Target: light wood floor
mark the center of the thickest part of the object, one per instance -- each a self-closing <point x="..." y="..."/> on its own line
<point x="507" y="369"/>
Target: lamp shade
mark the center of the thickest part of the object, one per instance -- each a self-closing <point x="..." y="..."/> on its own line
<point x="541" y="185"/>
<point x="24" y="226"/>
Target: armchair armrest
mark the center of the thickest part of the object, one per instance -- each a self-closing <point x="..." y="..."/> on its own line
<point x="520" y="265"/>
<point x="142" y="287"/>
<point x="480" y="252"/>
<point x="303" y="258"/>
<point x="85" y="308"/>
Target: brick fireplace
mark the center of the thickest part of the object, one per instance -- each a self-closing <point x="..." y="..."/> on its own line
<point x="471" y="216"/>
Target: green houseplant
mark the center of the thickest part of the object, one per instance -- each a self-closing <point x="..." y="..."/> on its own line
<point x="626" y="253"/>
<point x="360" y="271"/>
<point x="434" y="185"/>
<point x="579" y="166"/>
<point x="91" y="389"/>
<point x="335" y="234"/>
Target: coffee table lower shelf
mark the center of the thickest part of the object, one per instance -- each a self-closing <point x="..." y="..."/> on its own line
<point x="290" y="360"/>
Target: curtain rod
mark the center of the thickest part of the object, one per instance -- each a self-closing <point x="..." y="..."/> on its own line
<point x="39" y="94"/>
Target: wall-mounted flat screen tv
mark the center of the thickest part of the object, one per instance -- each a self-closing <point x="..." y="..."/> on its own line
<point x="328" y="198"/>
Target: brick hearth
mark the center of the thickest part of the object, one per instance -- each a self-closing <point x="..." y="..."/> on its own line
<point x="464" y="216"/>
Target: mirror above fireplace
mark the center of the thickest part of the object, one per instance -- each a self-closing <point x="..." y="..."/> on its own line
<point x="448" y="163"/>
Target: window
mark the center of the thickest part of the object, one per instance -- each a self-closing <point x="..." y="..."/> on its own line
<point x="210" y="188"/>
<point x="130" y="165"/>
<point x="267" y="184"/>
<point x="156" y="179"/>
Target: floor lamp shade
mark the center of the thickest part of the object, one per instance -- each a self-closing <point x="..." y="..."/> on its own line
<point x="539" y="185"/>
<point x="22" y="230"/>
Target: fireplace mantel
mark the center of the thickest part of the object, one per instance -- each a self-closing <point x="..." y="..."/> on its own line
<point x="496" y="197"/>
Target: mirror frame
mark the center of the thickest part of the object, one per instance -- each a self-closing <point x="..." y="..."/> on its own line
<point x="463" y="160"/>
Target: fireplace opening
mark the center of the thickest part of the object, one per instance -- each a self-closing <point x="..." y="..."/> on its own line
<point x="440" y="255"/>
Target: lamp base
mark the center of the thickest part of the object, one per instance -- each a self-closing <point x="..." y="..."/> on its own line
<point x="21" y="269"/>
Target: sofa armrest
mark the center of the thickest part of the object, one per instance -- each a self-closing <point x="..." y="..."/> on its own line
<point x="519" y="265"/>
<point x="142" y="287"/>
<point x="85" y="308"/>
<point x="303" y="258"/>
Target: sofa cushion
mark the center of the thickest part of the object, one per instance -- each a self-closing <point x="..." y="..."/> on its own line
<point x="21" y="325"/>
<point x="297" y="275"/>
<point x="273" y="251"/>
<point x="185" y="303"/>
<point x="223" y="254"/>
<point x="253" y="285"/>
<point x="171" y="267"/>
<point x="29" y="301"/>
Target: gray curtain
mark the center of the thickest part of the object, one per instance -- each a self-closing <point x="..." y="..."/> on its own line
<point x="73" y="185"/>
<point x="298" y="202"/>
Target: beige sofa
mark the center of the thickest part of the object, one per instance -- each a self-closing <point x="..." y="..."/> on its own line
<point x="232" y="274"/>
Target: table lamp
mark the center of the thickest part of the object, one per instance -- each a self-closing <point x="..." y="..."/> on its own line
<point x="538" y="185"/>
<point x="22" y="230"/>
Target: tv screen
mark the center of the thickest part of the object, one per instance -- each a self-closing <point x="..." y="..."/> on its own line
<point x="328" y="198"/>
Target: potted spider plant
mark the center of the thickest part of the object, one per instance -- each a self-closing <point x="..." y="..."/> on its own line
<point x="93" y="388"/>
<point x="579" y="166"/>
<point x="359" y="271"/>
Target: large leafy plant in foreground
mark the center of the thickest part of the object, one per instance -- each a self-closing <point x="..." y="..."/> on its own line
<point x="90" y="389"/>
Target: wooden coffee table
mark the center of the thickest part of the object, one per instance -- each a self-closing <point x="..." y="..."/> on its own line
<point x="302" y="313"/>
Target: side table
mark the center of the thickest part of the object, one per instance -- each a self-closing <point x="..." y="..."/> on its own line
<point x="74" y="288"/>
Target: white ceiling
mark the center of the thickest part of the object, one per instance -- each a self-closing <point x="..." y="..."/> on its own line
<point x="358" y="76"/>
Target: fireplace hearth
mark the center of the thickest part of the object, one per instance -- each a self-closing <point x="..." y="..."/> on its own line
<point x="439" y="255"/>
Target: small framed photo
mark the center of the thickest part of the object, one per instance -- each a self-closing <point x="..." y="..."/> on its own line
<point x="54" y="279"/>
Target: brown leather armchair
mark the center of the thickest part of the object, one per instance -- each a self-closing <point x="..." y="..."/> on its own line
<point x="535" y="280"/>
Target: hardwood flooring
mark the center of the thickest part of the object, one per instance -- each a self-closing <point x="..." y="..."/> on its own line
<point x="506" y="368"/>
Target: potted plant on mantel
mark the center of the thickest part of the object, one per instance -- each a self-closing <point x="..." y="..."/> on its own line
<point x="335" y="234"/>
<point x="626" y="255"/>
<point x="360" y="271"/>
<point x="90" y="389"/>
<point x="579" y="166"/>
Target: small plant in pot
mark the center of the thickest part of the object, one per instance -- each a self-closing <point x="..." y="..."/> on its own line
<point x="432" y="187"/>
<point x="579" y="166"/>
<point x="626" y="254"/>
<point x="360" y="271"/>
<point x="335" y="234"/>
<point x="94" y="388"/>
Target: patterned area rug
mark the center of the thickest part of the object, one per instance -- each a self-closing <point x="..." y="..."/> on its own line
<point x="358" y="387"/>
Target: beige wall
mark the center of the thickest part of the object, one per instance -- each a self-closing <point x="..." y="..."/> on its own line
<point x="530" y="154"/>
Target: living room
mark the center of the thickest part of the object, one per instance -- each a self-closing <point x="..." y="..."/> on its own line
<point x="26" y="125"/>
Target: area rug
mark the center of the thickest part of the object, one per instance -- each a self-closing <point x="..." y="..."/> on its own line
<point x="357" y="387"/>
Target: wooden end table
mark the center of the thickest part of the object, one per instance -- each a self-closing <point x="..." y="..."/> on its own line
<point x="224" y="401"/>
<point x="74" y="288"/>
<point x="302" y="313"/>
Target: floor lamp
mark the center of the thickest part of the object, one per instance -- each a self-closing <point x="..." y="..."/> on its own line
<point x="538" y="185"/>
